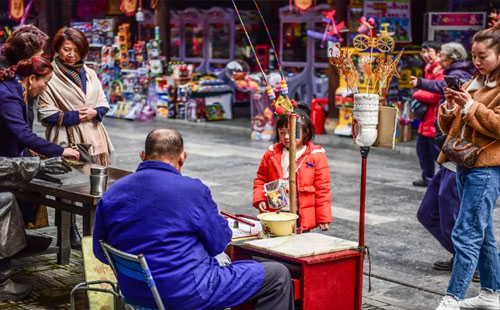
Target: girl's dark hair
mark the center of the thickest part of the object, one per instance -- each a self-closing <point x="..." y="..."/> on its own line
<point x="491" y="37"/>
<point x="436" y="46"/>
<point x="305" y="123"/>
<point x="73" y="35"/>
<point x="36" y="65"/>
<point x="23" y="43"/>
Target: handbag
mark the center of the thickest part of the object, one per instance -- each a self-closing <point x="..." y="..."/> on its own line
<point x="418" y="109"/>
<point x="82" y="148"/>
<point x="463" y="152"/>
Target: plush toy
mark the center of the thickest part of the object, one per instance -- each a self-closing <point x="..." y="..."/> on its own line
<point x="364" y="29"/>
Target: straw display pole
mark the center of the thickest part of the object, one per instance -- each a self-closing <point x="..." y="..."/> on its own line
<point x="292" y="121"/>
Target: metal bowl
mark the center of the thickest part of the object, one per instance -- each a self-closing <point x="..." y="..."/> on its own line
<point x="279" y="223"/>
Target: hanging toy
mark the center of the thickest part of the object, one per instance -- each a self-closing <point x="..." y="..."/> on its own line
<point x="270" y="93"/>
<point x="284" y="88"/>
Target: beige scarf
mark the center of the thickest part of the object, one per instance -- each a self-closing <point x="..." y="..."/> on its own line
<point x="63" y="95"/>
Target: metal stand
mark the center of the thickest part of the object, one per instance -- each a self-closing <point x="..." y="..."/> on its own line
<point x="364" y="150"/>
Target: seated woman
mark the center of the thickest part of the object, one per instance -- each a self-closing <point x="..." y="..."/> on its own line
<point x="28" y="77"/>
<point x="76" y="91"/>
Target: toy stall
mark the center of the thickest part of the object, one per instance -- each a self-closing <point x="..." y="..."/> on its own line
<point x="141" y="85"/>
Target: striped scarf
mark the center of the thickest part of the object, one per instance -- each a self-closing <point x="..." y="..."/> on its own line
<point x="71" y="71"/>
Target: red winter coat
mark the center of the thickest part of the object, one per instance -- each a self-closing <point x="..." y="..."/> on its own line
<point x="313" y="183"/>
<point x="427" y="128"/>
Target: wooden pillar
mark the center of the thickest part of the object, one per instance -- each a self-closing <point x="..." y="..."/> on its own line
<point x="162" y="19"/>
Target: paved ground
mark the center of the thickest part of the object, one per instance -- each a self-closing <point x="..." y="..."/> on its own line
<point x="224" y="158"/>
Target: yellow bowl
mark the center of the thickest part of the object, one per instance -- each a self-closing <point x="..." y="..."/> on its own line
<point x="279" y="224"/>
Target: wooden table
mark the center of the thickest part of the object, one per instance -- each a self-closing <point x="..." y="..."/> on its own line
<point x="71" y="197"/>
<point x="323" y="268"/>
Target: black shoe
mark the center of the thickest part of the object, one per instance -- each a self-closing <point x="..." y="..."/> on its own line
<point x="475" y="277"/>
<point x="446" y="265"/>
<point x="74" y="238"/>
<point x="421" y="183"/>
<point x="36" y="243"/>
<point x="10" y="290"/>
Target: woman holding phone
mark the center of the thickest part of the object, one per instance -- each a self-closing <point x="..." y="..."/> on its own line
<point x="473" y="114"/>
<point x="439" y="208"/>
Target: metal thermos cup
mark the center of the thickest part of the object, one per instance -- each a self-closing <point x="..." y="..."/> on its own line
<point x="98" y="180"/>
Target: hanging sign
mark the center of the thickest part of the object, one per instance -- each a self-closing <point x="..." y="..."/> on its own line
<point x="128" y="7"/>
<point x="303" y="4"/>
<point x="16" y="9"/>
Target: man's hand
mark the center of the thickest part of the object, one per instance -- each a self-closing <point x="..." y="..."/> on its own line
<point x="55" y="165"/>
<point x="86" y="114"/>
<point x="324" y="226"/>
<point x="263" y="207"/>
<point x="413" y="81"/>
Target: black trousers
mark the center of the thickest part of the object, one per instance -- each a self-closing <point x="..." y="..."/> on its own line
<point x="276" y="291"/>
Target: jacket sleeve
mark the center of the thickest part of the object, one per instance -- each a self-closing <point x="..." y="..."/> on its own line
<point x="426" y="97"/>
<point x="323" y="195"/>
<point x="446" y="120"/>
<point x="435" y="87"/>
<point x="261" y="179"/>
<point x="12" y="114"/>
<point x="212" y="228"/>
<point x="99" y="233"/>
<point x="484" y="120"/>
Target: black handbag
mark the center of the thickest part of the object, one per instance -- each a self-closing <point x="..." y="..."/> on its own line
<point x="418" y="109"/>
<point x="82" y="148"/>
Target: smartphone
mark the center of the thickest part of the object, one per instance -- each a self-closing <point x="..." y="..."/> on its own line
<point x="453" y="82"/>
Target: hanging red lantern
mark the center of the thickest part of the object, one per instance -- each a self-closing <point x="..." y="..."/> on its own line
<point x="128" y="7"/>
<point x="16" y="9"/>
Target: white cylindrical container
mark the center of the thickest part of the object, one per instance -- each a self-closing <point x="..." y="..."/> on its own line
<point x="365" y="119"/>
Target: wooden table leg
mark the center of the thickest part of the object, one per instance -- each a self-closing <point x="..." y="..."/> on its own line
<point x="63" y="237"/>
<point x="88" y="220"/>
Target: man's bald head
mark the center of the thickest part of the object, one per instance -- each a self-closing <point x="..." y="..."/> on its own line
<point x="163" y="143"/>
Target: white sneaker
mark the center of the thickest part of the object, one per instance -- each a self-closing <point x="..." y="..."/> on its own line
<point x="486" y="300"/>
<point x="448" y="303"/>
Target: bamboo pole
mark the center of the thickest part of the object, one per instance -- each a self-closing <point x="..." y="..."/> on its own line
<point x="292" y="184"/>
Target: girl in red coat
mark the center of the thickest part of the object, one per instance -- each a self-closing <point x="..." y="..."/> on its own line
<point x="312" y="174"/>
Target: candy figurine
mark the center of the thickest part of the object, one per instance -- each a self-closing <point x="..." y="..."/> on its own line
<point x="270" y="92"/>
<point x="284" y="88"/>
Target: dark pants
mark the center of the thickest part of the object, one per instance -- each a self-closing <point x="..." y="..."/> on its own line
<point x="427" y="152"/>
<point x="276" y="291"/>
<point x="439" y="209"/>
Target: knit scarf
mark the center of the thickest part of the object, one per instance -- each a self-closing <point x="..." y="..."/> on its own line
<point x="71" y="71"/>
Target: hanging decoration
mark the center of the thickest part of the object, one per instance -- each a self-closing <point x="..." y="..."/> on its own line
<point x="16" y="9"/>
<point x="332" y="29"/>
<point x="303" y="4"/>
<point x="27" y="11"/>
<point x="128" y="7"/>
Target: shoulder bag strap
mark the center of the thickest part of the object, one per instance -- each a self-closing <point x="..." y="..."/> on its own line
<point x="58" y="128"/>
<point x="485" y="147"/>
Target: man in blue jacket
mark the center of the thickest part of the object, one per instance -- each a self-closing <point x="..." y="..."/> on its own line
<point x="174" y="222"/>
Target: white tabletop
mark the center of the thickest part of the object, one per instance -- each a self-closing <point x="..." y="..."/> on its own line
<point x="302" y="245"/>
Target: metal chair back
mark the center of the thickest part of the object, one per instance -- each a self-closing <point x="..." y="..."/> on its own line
<point x="132" y="266"/>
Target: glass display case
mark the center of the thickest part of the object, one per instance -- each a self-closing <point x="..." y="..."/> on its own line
<point x="175" y="35"/>
<point x="193" y="37"/>
<point x="242" y="49"/>
<point x="220" y="38"/>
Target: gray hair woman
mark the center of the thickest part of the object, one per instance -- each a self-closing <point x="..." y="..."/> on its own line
<point x="452" y="52"/>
